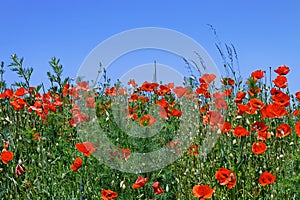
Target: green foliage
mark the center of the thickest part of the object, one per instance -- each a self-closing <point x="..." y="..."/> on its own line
<point x="24" y="73"/>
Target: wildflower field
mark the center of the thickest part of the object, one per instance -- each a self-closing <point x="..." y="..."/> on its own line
<point x="245" y="145"/>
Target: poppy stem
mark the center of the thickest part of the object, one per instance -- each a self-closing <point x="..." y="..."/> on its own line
<point x="81" y="189"/>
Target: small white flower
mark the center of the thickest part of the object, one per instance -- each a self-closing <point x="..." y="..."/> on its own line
<point x="238" y="117"/>
<point x="247" y="121"/>
<point x="167" y="188"/>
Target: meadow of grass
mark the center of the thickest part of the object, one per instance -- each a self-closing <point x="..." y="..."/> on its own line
<point x="255" y="154"/>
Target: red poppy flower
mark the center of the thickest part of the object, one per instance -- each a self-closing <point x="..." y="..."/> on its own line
<point x="240" y="131"/>
<point x="75" y="109"/>
<point x="259" y="126"/>
<point x="140" y="182"/>
<point x="125" y="153"/>
<point x="174" y="145"/>
<point x="258" y="74"/>
<point x="282" y="70"/>
<point x="266" y="178"/>
<point x="163" y="90"/>
<point x="207" y="78"/>
<point x="83" y="85"/>
<point x="75" y="92"/>
<point x="65" y="91"/>
<point x="77" y="164"/>
<point x="253" y="91"/>
<point x="20" y="92"/>
<point x="46" y="98"/>
<point x="297" y="128"/>
<point x="203" y="192"/>
<point x="132" y="82"/>
<point x="273" y="110"/>
<point x="280" y="81"/>
<point x="169" y="85"/>
<point x="133" y="97"/>
<point x="259" y="148"/>
<point x="18" y="103"/>
<point x="78" y="118"/>
<point x="147" y="120"/>
<point x="180" y="91"/>
<point x="149" y="87"/>
<point x="122" y="153"/>
<point x="162" y="112"/>
<point x="226" y="127"/>
<point x="239" y="97"/>
<point x="298" y="95"/>
<point x="176" y="113"/>
<point x="243" y="109"/>
<point x="19" y="170"/>
<point x="86" y="148"/>
<point x="228" y="81"/>
<point x="193" y="150"/>
<point x="203" y="90"/>
<point x="296" y="113"/>
<point x="228" y="92"/>
<point x="36" y="136"/>
<point x="220" y="104"/>
<point x="263" y="135"/>
<point x="283" y="130"/>
<point x="274" y="91"/>
<point x="256" y="103"/>
<point x="143" y="99"/>
<point x="281" y="98"/>
<point x="58" y="102"/>
<point x="108" y="194"/>
<point x="215" y="118"/>
<point x="90" y="102"/>
<point x="122" y="91"/>
<point x="226" y="177"/>
<point x="162" y="102"/>
<point x="157" y="188"/>
<point x="6" y="156"/>
<point x="219" y="95"/>
<point x="8" y="93"/>
<point x="111" y="91"/>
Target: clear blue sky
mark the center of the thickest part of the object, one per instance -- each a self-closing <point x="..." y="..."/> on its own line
<point x="265" y="32"/>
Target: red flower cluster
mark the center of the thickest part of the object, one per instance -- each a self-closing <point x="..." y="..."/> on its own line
<point x="266" y="178"/>
<point x="193" y="150"/>
<point x="120" y="153"/>
<point x="259" y="147"/>
<point x="226" y="177"/>
<point x="78" y="116"/>
<point x="203" y="191"/>
<point x="86" y="148"/>
<point x="108" y="194"/>
<point x="261" y="129"/>
<point x="140" y="182"/>
<point x="77" y="164"/>
<point x="205" y="81"/>
<point x="157" y="188"/>
<point x="283" y="130"/>
<point x="240" y="131"/>
<point x="281" y="81"/>
<point x="6" y="155"/>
